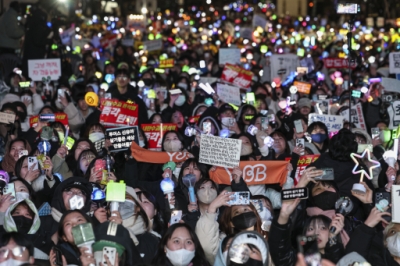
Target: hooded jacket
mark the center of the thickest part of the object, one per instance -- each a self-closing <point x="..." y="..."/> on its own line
<point x="10" y="30"/>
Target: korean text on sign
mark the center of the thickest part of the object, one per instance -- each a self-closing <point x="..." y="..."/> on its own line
<point x="121" y="138"/>
<point x="155" y="132"/>
<point x="237" y="76"/>
<point x="115" y="113"/>
<point x="38" y="69"/>
<point x="332" y="122"/>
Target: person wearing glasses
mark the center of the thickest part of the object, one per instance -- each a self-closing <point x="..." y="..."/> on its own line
<point x="15" y="249"/>
<point x="124" y="91"/>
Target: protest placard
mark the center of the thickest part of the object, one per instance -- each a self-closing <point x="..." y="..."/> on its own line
<point x="338" y="63"/>
<point x="254" y="173"/>
<point x="115" y="113"/>
<point x="394" y="62"/>
<point x="60" y="117"/>
<point x="302" y="164"/>
<point x="37" y="69"/>
<point x="66" y="35"/>
<point x="237" y="76"/>
<point x="6" y="118"/>
<point x="150" y="46"/>
<point x="229" y="94"/>
<point x="283" y="64"/>
<point x="332" y="122"/>
<point x="208" y="80"/>
<point x="357" y="116"/>
<point x="302" y="87"/>
<point x="80" y="42"/>
<point x="167" y="63"/>
<point x="392" y="85"/>
<point x="220" y="151"/>
<point x="155" y="133"/>
<point x="229" y="55"/>
<point x="99" y="145"/>
<point x="109" y="41"/>
<point x="121" y="138"/>
<point x="322" y="106"/>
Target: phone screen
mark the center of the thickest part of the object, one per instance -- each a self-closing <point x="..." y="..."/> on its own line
<point x="308" y="245"/>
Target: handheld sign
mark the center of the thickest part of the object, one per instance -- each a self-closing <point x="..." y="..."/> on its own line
<point x="37" y="69"/>
<point x="220" y="151"/>
<point x="396" y="203"/>
<point x="121" y="137"/>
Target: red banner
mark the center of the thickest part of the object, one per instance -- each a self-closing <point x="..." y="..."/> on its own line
<point x="167" y="63"/>
<point x="237" y="76"/>
<point x="302" y="164"/>
<point x="115" y="113"/>
<point x="254" y="173"/>
<point x="60" y="117"/>
<point x="154" y="134"/>
<point x="109" y="40"/>
<point x="338" y="63"/>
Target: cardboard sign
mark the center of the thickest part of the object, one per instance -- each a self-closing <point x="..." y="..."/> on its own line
<point x="155" y="133"/>
<point x="117" y="113"/>
<point x="254" y="173"/>
<point x="37" y="69"/>
<point x="283" y="64"/>
<point x="302" y="164"/>
<point x="220" y="151"/>
<point x="332" y="122"/>
<point x="229" y="55"/>
<point x="60" y="117"/>
<point x="390" y="84"/>
<point x="395" y="203"/>
<point x="150" y="46"/>
<point x="121" y="138"/>
<point x="357" y="116"/>
<point x="99" y="145"/>
<point x="6" y="118"/>
<point x="394" y="62"/>
<point x="302" y="87"/>
<point x="229" y="94"/>
<point x="167" y="63"/>
<point x="338" y="63"/>
<point x="237" y="76"/>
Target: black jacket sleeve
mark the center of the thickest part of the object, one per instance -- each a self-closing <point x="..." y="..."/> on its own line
<point x="361" y="240"/>
<point x="241" y="186"/>
<point x="281" y="250"/>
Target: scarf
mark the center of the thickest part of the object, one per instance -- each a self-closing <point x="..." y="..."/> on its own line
<point x="314" y="211"/>
<point x="56" y="214"/>
<point x="135" y="226"/>
<point x="9" y="223"/>
<point x="143" y="155"/>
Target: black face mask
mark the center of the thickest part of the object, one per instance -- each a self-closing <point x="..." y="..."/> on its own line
<point x="326" y="200"/>
<point x="147" y="82"/>
<point x="244" y="220"/>
<point x="23" y="224"/>
<point x="250" y="262"/>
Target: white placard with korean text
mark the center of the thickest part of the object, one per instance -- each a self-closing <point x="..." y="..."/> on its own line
<point x="333" y="122"/>
<point x="229" y="55"/>
<point x="37" y="69"/>
<point x="229" y="94"/>
<point x="219" y="151"/>
<point x="283" y="64"/>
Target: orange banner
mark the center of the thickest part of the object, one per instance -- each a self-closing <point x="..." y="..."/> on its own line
<point x="254" y="173"/>
<point x="143" y="155"/>
<point x="302" y="87"/>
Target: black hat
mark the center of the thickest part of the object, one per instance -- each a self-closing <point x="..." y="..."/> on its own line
<point x="225" y="107"/>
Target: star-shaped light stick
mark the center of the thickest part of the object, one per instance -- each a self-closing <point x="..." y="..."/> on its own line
<point x="375" y="163"/>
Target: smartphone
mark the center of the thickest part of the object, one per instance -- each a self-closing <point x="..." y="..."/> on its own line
<point x="384" y="198"/>
<point x="327" y="175"/>
<point x="300" y="52"/>
<point x="9" y="188"/>
<point x="164" y="92"/>
<point x="252" y="130"/>
<point x="207" y="127"/>
<point x="375" y="132"/>
<point x="250" y="98"/>
<point x="345" y="85"/>
<point x="58" y="261"/>
<point x="61" y="93"/>
<point x="32" y="161"/>
<point x="258" y="205"/>
<point x="202" y="64"/>
<point x="264" y="123"/>
<point x="294" y="193"/>
<point x="111" y="253"/>
<point x="301" y="144"/>
<point x="271" y="118"/>
<point x="176" y="216"/>
<point x="23" y="153"/>
<point x="107" y="96"/>
<point x="298" y="125"/>
<point x="240" y="198"/>
<point x="308" y="246"/>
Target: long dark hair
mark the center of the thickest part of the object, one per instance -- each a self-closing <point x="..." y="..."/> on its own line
<point x="31" y="192"/>
<point x="179" y="135"/>
<point x="202" y="167"/>
<point x="199" y="257"/>
<point x="70" y="159"/>
<point x="77" y="169"/>
<point x="158" y="221"/>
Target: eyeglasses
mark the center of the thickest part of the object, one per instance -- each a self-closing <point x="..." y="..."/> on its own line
<point x="17" y="251"/>
<point x="122" y="78"/>
<point x="77" y="192"/>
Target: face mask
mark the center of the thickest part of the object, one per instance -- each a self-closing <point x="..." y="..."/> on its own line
<point x="326" y="200"/>
<point x="126" y="209"/>
<point x="393" y="244"/>
<point x="141" y="143"/>
<point x="172" y="145"/>
<point x="246" y="150"/>
<point x="318" y="138"/>
<point x="182" y="85"/>
<point x="76" y="202"/>
<point x="12" y="262"/>
<point x="21" y="196"/>
<point x="206" y="195"/>
<point x="96" y="136"/>
<point x="147" y="82"/>
<point x="265" y="215"/>
<point x="176" y="171"/>
<point x="23" y="224"/>
<point x="244" y="220"/>
<point x="180" y="257"/>
<point x="181" y="100"/>
<point x="225" y="122"/>
<point x="249" y="262"/>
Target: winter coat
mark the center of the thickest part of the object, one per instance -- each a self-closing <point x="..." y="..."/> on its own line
<point x="10" y="30"/>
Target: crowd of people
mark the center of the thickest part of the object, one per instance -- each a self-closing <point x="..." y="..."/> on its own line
<point x="70" y="196"/>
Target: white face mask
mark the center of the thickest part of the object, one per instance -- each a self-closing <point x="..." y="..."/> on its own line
<point x="96" y="136"/>
<point x="21" y="196"/>
<point x="265" y="215"/>
<point x="126" y="209"/>
<point x="181" y="100"/>
<point x="246" y="150"/>
<point x="176" y="171"/>
<point x="172" y="145"/>
<point x="206" y="195"/>
<point x="12" y="262"/>
<point x="180" y="257"/>
<point x="393" y="244"/>
<point x="182" y="85"/>
<point x="225" y="122"/>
